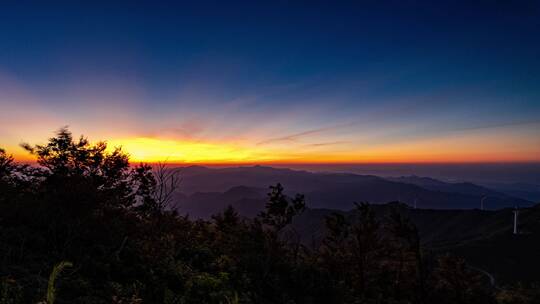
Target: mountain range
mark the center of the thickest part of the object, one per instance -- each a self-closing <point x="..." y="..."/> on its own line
<point x="447" y="214"/>
<point x="205" y="191"/>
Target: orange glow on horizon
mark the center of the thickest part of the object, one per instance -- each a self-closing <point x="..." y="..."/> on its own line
<point x="186" y="152"/>
<point x="142" y="149"/>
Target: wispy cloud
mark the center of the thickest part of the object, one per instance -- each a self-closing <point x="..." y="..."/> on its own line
<point x="296" y="136"/>
<point x="332" y="143"/>
<point x="498" y="125"/>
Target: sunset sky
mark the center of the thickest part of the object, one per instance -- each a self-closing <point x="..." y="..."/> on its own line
<point x="223" y="82"/>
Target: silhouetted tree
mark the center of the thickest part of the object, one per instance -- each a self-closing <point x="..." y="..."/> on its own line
<point x="6" y="164"/>
<point x="406" y="238"/>
<point x="279" y="209"/>
<point x="519" y="294"/>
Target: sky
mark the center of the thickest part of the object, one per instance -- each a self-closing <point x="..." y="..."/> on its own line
<point x="276" y="82"/>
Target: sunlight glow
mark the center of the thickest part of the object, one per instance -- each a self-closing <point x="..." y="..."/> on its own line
<point x="174" y="151"/>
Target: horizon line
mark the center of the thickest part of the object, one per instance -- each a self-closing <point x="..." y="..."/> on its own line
<point x="330" y="163"/>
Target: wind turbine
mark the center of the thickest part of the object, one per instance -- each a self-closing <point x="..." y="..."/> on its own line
<point x="482" y="202"/>
<point x="516" y="214"/>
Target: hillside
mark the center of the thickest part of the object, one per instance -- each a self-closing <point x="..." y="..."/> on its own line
<point x="484" y="238"/>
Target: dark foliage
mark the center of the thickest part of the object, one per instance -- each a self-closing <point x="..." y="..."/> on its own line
<point x="114" y="224"/>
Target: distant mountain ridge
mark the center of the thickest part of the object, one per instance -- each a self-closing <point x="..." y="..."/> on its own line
<point x="437" y="185"/>
<point x="206" y="191"/>
<point x="526" y="191"/>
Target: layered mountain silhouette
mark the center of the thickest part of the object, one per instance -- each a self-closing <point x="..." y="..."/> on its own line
<point x="447" y="217"/>
<point x="437" y="185"/>
<point x="526" y="191"/>
<point x="206" y="191"/>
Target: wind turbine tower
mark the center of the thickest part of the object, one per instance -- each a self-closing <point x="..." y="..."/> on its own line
<point x="516" y="214"/>
<point x="482" y="202"/>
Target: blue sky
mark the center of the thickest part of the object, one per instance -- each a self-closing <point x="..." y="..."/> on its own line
<point x="331" y="80"/>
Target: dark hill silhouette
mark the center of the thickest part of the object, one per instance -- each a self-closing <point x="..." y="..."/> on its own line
<point x="484" y="238"/>
<point x="248" y="201"/>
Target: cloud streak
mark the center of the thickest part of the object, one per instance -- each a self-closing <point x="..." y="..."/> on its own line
<point x="297" y="136"/>
<point x="332" y="143"/>
<point x="498" y="125"/>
